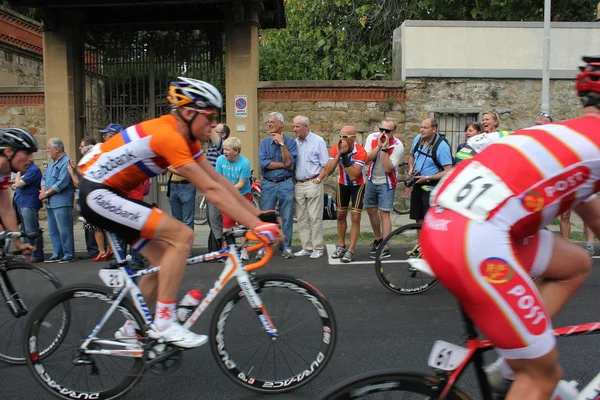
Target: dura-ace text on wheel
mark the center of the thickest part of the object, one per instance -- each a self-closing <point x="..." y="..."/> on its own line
<point x="67" y="371"/>
<point x="304" y="342"/>
<point x="391" y="385"/>
<point x="394" y="272"/>
<point x="23" y="287"/>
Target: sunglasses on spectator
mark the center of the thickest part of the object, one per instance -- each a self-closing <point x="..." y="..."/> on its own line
<point x="543" y="114"/>
<point x="385" y="130"/>
<point x="346" y="136"/>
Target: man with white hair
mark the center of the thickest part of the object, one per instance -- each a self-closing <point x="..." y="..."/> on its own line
<point x="309" y="175"/>
<point x="277" y="157"/>
<point x="58" y="194"/>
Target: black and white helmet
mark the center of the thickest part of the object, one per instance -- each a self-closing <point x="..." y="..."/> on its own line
<point x="187" y="91"/>
<point x="18" y="139"/>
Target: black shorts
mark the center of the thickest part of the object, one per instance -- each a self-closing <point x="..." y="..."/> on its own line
<point x="132" y="220"/>
<point x="419" y="202"/>
<point x="345" y="194"/>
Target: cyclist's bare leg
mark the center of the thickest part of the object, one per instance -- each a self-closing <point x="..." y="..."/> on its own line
<point x="148" y="285"/>
<point x="354" y="230"/>
<point x="568" y="268"/>
<point x="342" y="227"/>
<point x="171" y="245"/>
<point x="536" y="378"/>
<point x="373" y="213"/>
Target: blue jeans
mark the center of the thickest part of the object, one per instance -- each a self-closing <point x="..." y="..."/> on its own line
<point x="183" y="202"/>
<point x="379" y="196"/>
<point x="283" y="192"/>
<point x="31" y="222"/>
<point x="60" y="227"/>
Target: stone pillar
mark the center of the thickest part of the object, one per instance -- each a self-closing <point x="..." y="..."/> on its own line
<point x="241" y="55"/>
<point x="63" y="76"/>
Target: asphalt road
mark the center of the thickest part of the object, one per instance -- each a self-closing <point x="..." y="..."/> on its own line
<point x="377" y="329"/>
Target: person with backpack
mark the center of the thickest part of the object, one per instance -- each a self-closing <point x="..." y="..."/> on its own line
<point x="429" y="160"/>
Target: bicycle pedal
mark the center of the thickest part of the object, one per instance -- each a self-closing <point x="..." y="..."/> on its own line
<point x="163" y="359"/>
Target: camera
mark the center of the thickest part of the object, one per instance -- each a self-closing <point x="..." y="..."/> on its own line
<point x="412" y="179"/>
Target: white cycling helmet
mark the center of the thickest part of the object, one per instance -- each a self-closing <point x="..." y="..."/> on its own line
<point x="187" y="91"/>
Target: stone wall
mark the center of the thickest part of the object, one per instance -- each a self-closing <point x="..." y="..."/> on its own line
<point x="20" y="70"/>
<point x="330" y="105"/>
<point x="517" y="101"/>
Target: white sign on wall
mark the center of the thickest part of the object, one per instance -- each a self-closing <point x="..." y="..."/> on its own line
<point x="241" y="106"/>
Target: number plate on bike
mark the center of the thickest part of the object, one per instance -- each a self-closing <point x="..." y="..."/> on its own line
<point x="474" y="192"/>
<point x="446" y="356"/>
<point x="112" y="277"/>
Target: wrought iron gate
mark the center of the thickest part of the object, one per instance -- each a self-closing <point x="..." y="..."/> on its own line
<point x="128" y="73"/>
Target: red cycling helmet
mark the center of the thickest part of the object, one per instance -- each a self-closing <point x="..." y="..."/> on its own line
<point x="588" y="82"/>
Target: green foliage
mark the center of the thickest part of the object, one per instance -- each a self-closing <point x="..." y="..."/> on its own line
<point x="504" y="10"/>
<point x="332" y="39"/>
<point x="352" y="39"/>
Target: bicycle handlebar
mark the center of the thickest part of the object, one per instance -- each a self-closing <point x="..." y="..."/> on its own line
<point x="260" y="245"/>
<point x="266" y="258"/>
<point x="7" y="235"/>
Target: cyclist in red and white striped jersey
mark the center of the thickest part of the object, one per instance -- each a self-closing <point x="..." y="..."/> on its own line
<point x="483" y="235"/>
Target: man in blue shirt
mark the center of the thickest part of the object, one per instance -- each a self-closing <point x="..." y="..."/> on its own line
<point x="58" y="193"/>
<point x="421" y="160"/>
<point x="277" y="156"/>
<point x="27" y="191"/>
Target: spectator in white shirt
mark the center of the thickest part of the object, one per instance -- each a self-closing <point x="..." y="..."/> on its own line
<point x="308" y="192"/>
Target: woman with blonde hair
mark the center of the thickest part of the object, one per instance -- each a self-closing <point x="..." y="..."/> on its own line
<point x="490" y="121"/>
<point x="236" y="168"/>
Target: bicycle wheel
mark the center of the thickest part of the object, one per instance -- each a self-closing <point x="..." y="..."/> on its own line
<point x="402" y="200"/>
<point x="394" y="272"/>
<point x="306" y="335"/>
<point x="30" y="284"/>
<point x="391" y="385"/>
<point x="68" y="372"/>
<point x="201" y="210"/>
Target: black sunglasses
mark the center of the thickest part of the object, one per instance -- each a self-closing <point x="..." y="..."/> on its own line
<point x="385" y="130"/>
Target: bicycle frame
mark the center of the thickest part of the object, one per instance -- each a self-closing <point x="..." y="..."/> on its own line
<point x="476" y="347"/>
<point x="234" y="267"/>
<point x="12" y="299"/>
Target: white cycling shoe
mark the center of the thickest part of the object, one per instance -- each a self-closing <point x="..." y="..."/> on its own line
<point x="178" y="335"/>
<point x="125" y="337"/>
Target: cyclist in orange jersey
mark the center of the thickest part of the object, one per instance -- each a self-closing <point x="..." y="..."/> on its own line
<point x="112" y="169"/>
<point x="483" y="236"/>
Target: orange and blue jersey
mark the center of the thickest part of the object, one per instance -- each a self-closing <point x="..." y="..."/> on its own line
<point x="139" y="152"/>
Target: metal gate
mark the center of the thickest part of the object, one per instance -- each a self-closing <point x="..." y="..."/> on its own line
<point x="128" y="73"/>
